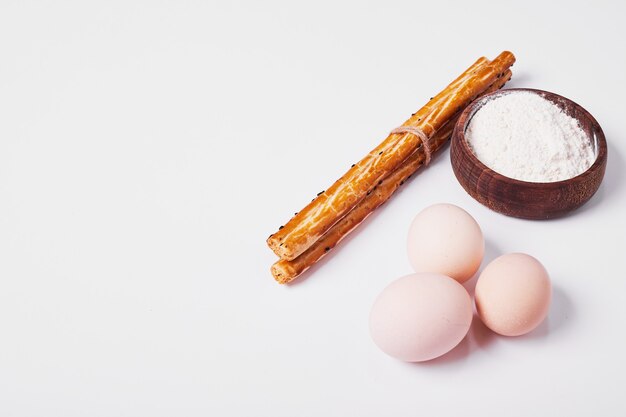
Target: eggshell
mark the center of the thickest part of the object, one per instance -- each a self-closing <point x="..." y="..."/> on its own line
<point x="513" y="294"/>
<point x="420" y="317"/>
<point x="444" y="238"/>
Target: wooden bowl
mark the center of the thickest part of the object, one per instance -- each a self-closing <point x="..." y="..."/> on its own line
<point x="527" y="200"/>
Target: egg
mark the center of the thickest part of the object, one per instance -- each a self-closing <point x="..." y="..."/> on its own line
<point x="420" y="317"/>
<point x="513" y="294"/>
<point x="444" y="238"/>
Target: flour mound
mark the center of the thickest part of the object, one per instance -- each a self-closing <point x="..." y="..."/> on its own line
<point x="521" y="135"/>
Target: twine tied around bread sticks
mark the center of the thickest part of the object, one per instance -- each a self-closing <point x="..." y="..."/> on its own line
<point x="417" y="132"/>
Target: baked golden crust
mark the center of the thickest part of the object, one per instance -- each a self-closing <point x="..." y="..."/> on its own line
<point x="285" y="271"/>
<point x="312" y="222"/>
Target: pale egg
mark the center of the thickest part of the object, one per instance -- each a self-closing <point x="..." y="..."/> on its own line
<point x="420" y="317"/>
<point x="444" y="238"/>
<point x="513" y="294"/>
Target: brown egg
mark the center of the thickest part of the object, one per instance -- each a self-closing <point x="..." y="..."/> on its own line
<point x="513" y="294"/>
<point x="446" y="239"/>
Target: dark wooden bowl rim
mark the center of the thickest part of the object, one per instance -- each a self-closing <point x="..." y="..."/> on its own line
<point x="587" y="182"/>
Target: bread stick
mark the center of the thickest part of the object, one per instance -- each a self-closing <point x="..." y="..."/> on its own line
<point x="311" y="223"/>
<point x="285" y="271"/>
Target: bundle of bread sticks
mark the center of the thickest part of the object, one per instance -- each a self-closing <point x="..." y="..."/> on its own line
<point x="334" y="213"/>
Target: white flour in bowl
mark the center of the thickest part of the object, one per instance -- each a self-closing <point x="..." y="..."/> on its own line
<point x="521" y="135"/>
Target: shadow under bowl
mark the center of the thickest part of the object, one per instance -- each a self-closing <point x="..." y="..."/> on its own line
<point x="523" y="199"/>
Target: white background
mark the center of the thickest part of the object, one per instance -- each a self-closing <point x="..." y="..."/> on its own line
<point x="147" y="149"/>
